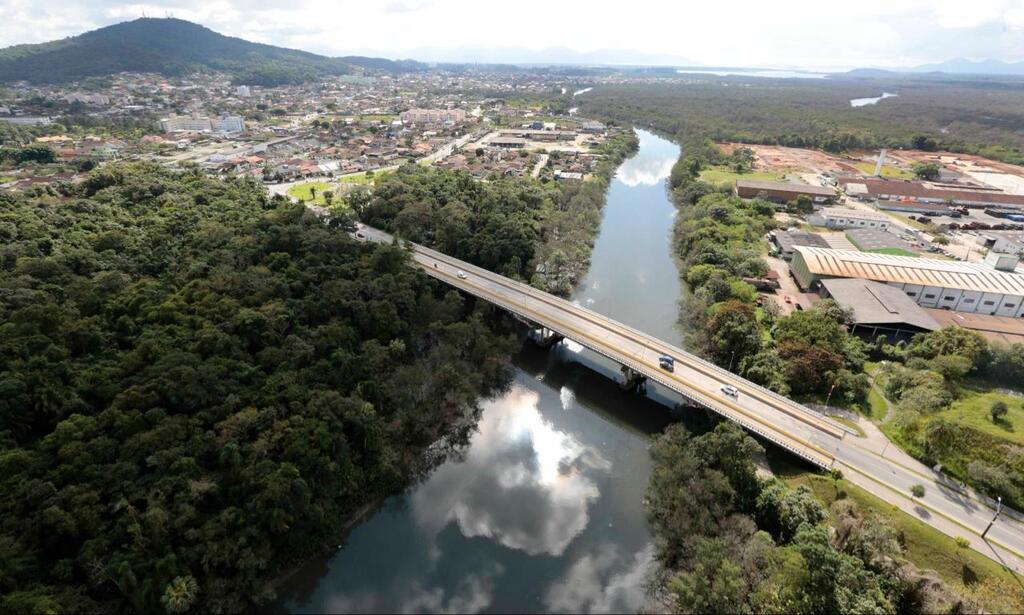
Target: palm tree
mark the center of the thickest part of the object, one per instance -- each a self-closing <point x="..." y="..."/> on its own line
<point x="180" y="594"/>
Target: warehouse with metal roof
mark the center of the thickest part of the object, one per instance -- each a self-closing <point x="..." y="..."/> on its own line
<point x="879" y="308"/>
<point x="781" y="191"/>
<point x="952" y="285"/>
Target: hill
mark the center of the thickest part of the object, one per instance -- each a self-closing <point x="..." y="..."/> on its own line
<point x="170" y="47"/>
<point x="973" y="67"/>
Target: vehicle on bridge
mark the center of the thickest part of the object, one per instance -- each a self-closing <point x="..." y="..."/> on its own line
<point x="461" y="274"/>
<point x="667" y="363"/>
<point x="730" y="391"/>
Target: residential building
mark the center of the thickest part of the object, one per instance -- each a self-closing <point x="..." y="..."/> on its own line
<point x="510" y="142"/>
<point x="186" y="123"/>
<point x="933" y="283"/>
<point x="433" y="116"/>
<point x="243" y="91"/>
<point x="228" y="123"/>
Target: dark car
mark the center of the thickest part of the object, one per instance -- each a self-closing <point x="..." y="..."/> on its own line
<point x="667" y="363"/>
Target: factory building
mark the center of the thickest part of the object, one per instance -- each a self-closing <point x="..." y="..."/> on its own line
<point x="842" y="217"/>
<point x="782" y="191"/>
<point x="950" y="285"/>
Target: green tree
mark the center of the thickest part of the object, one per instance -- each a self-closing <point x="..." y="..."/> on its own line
<point x="714" y="584"/>
<point x="926" y="170"/>
<point x="998" y="410"/>
<point x="733" y="334"/>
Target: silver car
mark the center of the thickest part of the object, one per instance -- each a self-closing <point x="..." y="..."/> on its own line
<point x="730" y="391"/>
<point x="461" y="274"/>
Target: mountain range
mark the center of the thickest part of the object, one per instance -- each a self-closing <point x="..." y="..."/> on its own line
<point x="175" y="47"/>
<point x="963" y="66"/>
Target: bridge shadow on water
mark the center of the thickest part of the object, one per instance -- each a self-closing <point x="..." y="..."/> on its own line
<point x="595" y="382"/>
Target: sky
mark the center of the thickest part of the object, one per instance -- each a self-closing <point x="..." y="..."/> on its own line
<point x="783" y="33"/>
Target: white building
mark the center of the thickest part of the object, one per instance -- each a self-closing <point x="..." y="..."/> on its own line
<point x="243" y="91"/>
<point x="185" y="123"/>
<point x="228" y="123"/>
<point x="932" y="283"/>
<point x="433" y="116"/>
<point x="1001" y="261"/>
<point x="841" y="217"/>
<point x="88" y="99"/>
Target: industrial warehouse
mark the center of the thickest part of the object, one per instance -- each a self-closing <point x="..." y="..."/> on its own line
<point x="782" y="191"/>
<point x="902" y="190"/>
<point x="952" y="285"/>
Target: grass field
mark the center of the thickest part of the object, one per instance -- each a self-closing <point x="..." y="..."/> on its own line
<point x="887" y="171"/>
<point x="304" y="192"/>
<point x="971" y="410"/>
<point x="925" y="547"/>
<point x="877" y="406"/>
<point x="361" y="178"/>
<point x="724" y="175"/>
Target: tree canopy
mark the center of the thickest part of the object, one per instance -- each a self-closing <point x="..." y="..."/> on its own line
<point x="199" y="386"/>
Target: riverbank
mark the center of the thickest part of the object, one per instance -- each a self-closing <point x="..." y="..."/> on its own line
<point x="570" y="229"/>
<point x="548" y="496"/>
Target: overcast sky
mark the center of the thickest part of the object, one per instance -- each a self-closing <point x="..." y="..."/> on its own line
<point x="805" y="33"/>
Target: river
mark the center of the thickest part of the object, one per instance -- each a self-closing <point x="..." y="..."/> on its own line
<point x="544" y="510"/>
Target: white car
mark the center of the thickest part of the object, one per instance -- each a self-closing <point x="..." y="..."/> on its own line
<point x="730" y="391"/>
<point x="460" y="274"/>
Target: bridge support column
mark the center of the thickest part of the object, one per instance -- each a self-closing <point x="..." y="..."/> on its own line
<point x="544" y="337"/>
<point x="632" y="380"/>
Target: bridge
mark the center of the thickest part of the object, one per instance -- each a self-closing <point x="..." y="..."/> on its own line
<point x="947" y="506"/>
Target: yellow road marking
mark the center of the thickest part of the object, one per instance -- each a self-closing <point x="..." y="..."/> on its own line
<point x="696" y="366"/>
<point x="703" y="392"/>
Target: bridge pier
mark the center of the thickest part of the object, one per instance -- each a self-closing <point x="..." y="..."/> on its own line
<point x="544" y="337"/>
<point x="632" y="380"/>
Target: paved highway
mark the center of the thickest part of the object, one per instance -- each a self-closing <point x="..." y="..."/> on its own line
<point x="827" y="444"/>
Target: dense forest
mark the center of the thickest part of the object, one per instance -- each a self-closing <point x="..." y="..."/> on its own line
<point x="984" y="117"/>
<point x="200" y="386"/>
<point x="729" y="541"/>
<point x="540" y="232"/>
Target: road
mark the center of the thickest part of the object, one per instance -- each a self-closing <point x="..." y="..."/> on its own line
<point x="945" y="506"/>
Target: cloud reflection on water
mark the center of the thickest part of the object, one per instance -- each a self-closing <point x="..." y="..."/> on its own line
<point x="523" y="483"/>
<point x="603" y="581"/>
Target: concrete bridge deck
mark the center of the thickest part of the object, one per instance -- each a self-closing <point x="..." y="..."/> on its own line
<point x="949" y="507"/>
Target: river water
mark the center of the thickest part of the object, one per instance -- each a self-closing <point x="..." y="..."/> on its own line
<point x="544" y="511"/>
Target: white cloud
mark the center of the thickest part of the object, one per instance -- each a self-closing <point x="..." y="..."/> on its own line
<point x="727" y="32"/>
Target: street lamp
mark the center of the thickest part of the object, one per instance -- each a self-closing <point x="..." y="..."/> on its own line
<point x="829" y="396"/>
<point x="999" y="509"/>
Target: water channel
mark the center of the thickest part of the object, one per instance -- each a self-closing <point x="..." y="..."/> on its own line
<point x="544" y="511"/>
